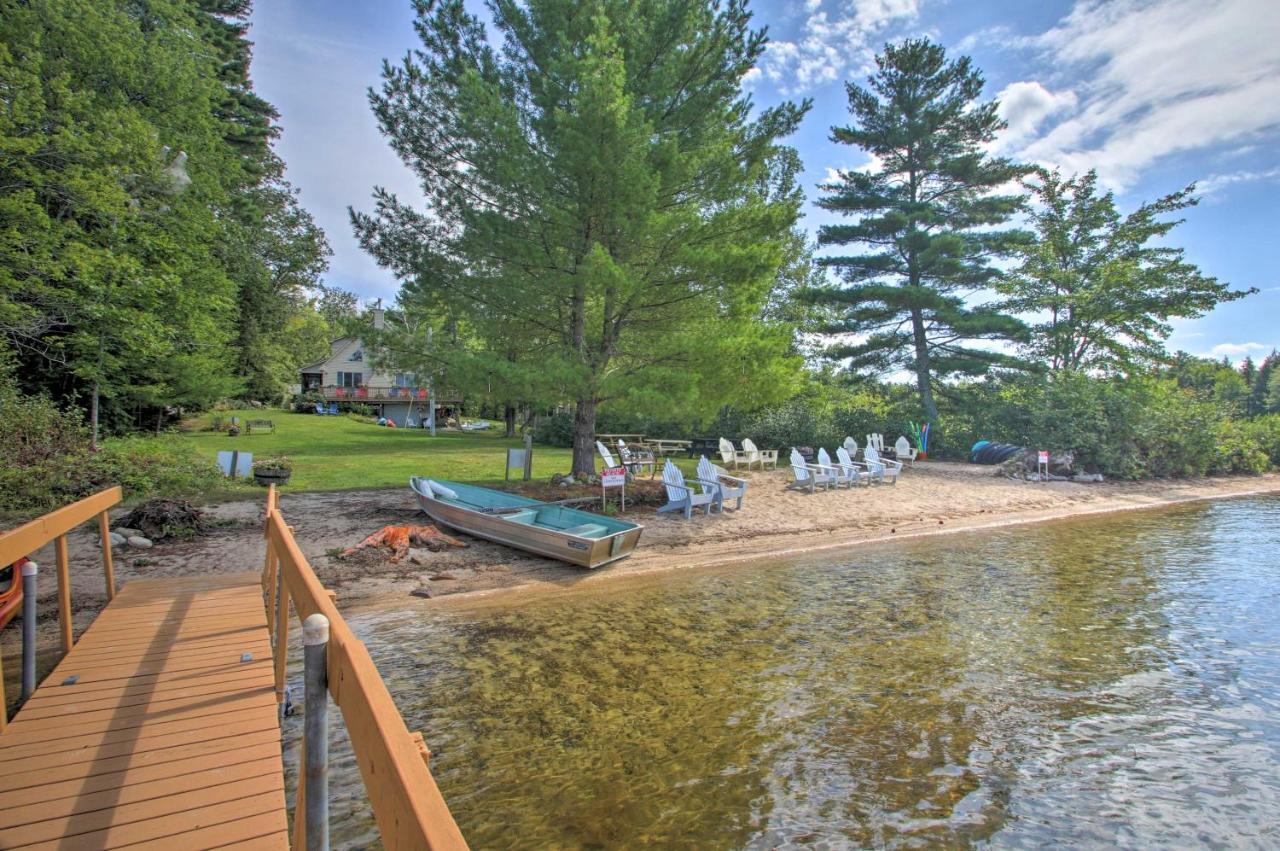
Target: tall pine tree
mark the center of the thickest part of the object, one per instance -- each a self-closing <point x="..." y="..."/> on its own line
<point x="599" y="194"/>
<point x="927" y="214"/>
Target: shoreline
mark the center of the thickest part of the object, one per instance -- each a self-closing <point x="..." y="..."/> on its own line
<point x="648" y="564"/>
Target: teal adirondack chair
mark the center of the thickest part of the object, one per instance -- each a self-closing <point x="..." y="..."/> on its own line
<point x="682" y="497"/>
<point x="731" y="487"/>
<point x="807" y="476"/>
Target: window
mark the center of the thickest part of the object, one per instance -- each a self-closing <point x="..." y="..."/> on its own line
<point x="406" y="379"/>
<point x="357" y="355"/>
<point x="350" y="379"/>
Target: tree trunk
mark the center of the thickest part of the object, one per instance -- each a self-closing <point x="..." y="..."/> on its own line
<point x="923" y="369"/>
<point x="509" y="416"/>
<point x="584" y="438"/>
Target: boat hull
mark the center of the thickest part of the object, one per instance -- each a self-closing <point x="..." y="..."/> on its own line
<point x="552" y="543"/>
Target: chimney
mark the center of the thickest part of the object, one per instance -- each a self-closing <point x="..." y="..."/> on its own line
<point x="379" y="322"/>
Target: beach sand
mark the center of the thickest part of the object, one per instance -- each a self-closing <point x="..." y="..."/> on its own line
<point x="931" y="498"/>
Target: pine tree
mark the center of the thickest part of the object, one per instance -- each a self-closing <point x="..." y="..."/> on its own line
<point x="1106" y="291"/>
<point x="927" y="217"/>
<point x="598" y="194"/>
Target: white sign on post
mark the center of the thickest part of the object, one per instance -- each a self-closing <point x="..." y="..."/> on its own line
<point x="1042" y="465"/>
<point x="613" y="477"/>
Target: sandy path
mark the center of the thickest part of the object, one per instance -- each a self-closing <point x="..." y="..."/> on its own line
<point x="934" y="497"/>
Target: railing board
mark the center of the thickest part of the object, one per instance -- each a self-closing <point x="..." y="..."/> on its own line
<point x="30" y="537"/>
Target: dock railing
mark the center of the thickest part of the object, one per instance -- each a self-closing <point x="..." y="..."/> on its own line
<point x="407" y="805"/>
<point x="28" y="538"/>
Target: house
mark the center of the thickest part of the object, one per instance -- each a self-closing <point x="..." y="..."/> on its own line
<point x="346" y="376"/>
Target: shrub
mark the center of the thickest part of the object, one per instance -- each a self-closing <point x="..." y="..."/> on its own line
<point x="1239" y="449"/>
<point x="1265" y="432"/>
<point x="554" y="429"/>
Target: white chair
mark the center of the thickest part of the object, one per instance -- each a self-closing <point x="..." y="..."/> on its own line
<point x="835" y="471"/>
<point x="636" y="459"/>
<point x="807" y="476"/>
<point x="881" y="468"/>
<point x="876" y="442"/>
<point x="851" y="446"/>
<point x="845" y="468"/>
<point x="904" y="450"/>
<point x="681" y="497"/>
<point x="764" y="456"/>
<point x="729" y="455"/>
<point x="731" y="487"/>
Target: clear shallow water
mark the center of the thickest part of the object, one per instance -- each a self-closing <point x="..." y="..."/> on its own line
<point x="1099" y="682"/>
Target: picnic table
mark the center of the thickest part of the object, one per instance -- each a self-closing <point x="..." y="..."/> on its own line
<point x="667" y="447"/>
<point x="608" y="439"/>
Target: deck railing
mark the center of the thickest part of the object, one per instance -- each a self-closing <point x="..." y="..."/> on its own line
<point x="30" y="537"/>
<point x="407" y="805"/>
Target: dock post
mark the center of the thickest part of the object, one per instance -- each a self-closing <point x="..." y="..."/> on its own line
<point x="108" y="568"/>
<point x="315" y="641"/>
<point x="29" y="572"/>
<point x="64" y="593"/>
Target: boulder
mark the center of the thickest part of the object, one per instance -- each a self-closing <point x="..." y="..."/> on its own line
<point x="139" y="542"/>
<point x="118" y="540"/>
<point x="423" y="591"/>
<point x="127" y="532"/>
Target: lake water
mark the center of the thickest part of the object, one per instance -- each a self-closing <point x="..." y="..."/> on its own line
<point x="1101" y="682"/>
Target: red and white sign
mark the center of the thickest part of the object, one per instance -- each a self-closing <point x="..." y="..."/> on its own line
<point x="1044" y="457"/>
<point x="613" y="477"/>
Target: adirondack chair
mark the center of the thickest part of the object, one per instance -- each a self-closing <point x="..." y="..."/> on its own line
<point x="847" y="473"/>
<point x="636" y="459"/>
<point x="807" y="476"/>
<point x="731" y="487"/>
<point x="733" y="456"/>
<point x="682" y="497"/>
<point x="320" y="408"/>
<point x="851" y="446"/>
<point x="876" y="441"/>
<point x="764" y="456"/>
<point x="880" y="468"/>
<point x="846" y="460"/>
<point x="904" y="450"/>
<point x="333" y="409"/>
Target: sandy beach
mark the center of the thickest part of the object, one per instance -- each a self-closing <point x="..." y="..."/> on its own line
<point x="932" y="498"/>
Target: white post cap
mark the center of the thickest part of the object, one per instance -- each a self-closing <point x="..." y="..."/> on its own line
<point x="315" y="630"/>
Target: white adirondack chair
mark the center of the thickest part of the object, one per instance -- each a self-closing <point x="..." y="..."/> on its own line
<point x="882" y="468"/>
<point x="876" y="441"/>
<point x="904" y="450"/>
<point x="636" y="460"/>
<point x="729" y="455"/>
<point x="807" y="476"/>
<point x="605" y="455"/>
<point x="846" y="460"/>
<point x="847" y="472"/>
<point x="731" y="487"/>
<point x="851" y="446"/>
<point x="833" y="470"/>
<point x="764" y="456"/>
<point x="681" y="497"/>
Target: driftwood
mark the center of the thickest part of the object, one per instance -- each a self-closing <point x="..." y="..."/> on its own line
<point x="398" y="539"/>
<point x="165" y="518"/>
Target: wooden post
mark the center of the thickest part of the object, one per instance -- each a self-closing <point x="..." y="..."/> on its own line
<point x="4" y="702"/>
<point x="282" y="635"/>
<point x="300" y="803"/>
<point x="64" y="593"/>
<point x="108" y="568"/>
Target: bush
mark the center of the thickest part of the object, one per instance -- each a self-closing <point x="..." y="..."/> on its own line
<point x="1265" y="433"/>
<point x="554" y="429"/>
<point x="1239" y="449"/>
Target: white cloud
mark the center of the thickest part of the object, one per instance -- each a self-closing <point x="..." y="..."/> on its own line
<point x="829" y="48"/>
<point x="1024" y="106"/>
<point x="1239" y="350"/>
<point x="1162" y="78"/>
<point x="1215" y="183"/>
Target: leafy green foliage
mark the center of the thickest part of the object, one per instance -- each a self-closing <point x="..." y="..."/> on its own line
<point x="605" y="221"/>
<point x="927" y="214"/>
<point x="1108" y="284"/>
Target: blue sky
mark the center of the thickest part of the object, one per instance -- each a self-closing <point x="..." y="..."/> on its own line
<point x="1152" y="94"/>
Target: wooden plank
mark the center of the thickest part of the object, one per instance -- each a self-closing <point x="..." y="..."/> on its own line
<point x="108" y="566"/>
<point x="95" y="750"/>
<point x="64" y="592"/>
<point x="153" y="818"/>
<point x="29" y="537"/>
<point x="128" y="691"/>
<point x="231" y="769"/>
<point x="261" y="832"/>
<point x="141" y="705"/>
<point x="179" y="753"/>
<point x="109" y="722"/>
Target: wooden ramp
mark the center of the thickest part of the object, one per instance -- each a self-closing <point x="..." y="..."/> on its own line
<point x="166" y="738"/>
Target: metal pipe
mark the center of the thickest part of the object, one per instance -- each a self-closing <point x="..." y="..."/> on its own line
<point x="315" y="642"/>
<point x="29" y="572"/>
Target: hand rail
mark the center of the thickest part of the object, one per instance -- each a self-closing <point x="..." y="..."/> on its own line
<point x="407" y="805"/>
<point x="54" y="526"/>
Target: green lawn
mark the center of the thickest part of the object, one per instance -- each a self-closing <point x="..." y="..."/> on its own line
<point x="337" y="453"/>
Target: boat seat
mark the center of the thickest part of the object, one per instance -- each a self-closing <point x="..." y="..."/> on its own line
<point x="526" y="516"/>
<point x="587" y="530"/>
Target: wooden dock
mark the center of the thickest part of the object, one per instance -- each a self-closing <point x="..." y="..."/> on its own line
<point x="158" y="730"/>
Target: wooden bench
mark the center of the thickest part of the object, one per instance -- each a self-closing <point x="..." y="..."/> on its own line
<point x="260" y="425"/>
